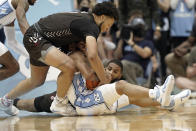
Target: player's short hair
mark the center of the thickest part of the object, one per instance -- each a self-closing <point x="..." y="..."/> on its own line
<point x="117" y="62"/>
<point x="106" y="8"/>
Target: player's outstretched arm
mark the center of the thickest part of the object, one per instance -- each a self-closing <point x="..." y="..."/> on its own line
<point x="21" y="9"/>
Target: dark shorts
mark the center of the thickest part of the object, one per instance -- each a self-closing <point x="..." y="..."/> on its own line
<point x="43" y="103"/>
<point x="36" y="46"/>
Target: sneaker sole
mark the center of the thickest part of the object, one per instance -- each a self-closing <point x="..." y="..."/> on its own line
<point x="167" y="89"/>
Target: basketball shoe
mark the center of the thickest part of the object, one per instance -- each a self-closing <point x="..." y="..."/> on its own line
<point x="62" y="107"/>
<point x="162" y="93"/>
<point x="7" y="106"/>
<point x="178" y="99"/>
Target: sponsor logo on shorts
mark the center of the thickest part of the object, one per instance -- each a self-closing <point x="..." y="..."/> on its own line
<point x="35" y="39"/>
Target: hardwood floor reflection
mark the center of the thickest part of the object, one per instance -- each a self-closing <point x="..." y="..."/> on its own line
<point x="138" y="119"/>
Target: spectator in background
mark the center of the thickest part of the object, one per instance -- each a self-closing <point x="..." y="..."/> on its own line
<point x="150" y="11"/>
<point x="177" y="61"/>
<point x="189" y="82"/>
<point x="134" y="50"/>
<point x="181" y="19"/>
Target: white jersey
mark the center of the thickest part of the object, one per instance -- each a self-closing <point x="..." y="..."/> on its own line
<point x="102" y="100"/>
<point x="3" y="49"/>
<point x="7" y="12"/>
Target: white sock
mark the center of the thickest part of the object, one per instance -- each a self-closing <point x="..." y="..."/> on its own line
<point x="152" y="93"/>
<point x="12" y="43"/>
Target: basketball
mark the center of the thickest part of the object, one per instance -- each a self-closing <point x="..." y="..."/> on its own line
<point x="91" y="85"/>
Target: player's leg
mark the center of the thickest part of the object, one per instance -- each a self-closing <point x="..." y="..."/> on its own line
<point x="137" y="95"/>
<point x="35" y="45"/>
<point x="25" y="104"/>
<point x="112" y="92"/>
<point x="54" y="57"/>
<point x="38" y="76"/>
<point x="43" y="103"/>
<point x="38" y="104"/>
<point x="144" y="97"/>
<point x="12" y="42"/>
<point x="160" y="93"/>
<point x="65" y="64"/>
<point x="9" y="66"/>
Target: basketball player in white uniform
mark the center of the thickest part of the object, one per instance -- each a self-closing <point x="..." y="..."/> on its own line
<point x="9" y="11"/>
<point x="108" y="98"/>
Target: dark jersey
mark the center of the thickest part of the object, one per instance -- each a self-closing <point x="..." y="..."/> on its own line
<point x="66" y="28"/>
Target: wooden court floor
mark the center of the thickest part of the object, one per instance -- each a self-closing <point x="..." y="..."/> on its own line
<point x="131" y="119"/>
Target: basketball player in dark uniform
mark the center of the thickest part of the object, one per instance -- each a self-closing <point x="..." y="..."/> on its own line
<point x="42" y="41"/>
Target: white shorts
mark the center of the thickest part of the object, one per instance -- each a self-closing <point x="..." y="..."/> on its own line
<point x="102" y="100"/>
<point x="7" y="12"/>
<point x="3" y="49"/>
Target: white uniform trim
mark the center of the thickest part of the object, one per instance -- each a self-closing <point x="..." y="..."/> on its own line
<point x="9" y="16"/>
<point x="3" y="49"/>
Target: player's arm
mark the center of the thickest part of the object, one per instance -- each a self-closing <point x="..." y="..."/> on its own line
<point x="94" y="60"/>
<point x="143" y="52"/>
<point x="21" y="9"/>
<point x="83" y="66"/>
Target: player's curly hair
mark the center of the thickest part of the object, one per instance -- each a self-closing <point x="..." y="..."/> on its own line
<point x="106" y="8"/>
